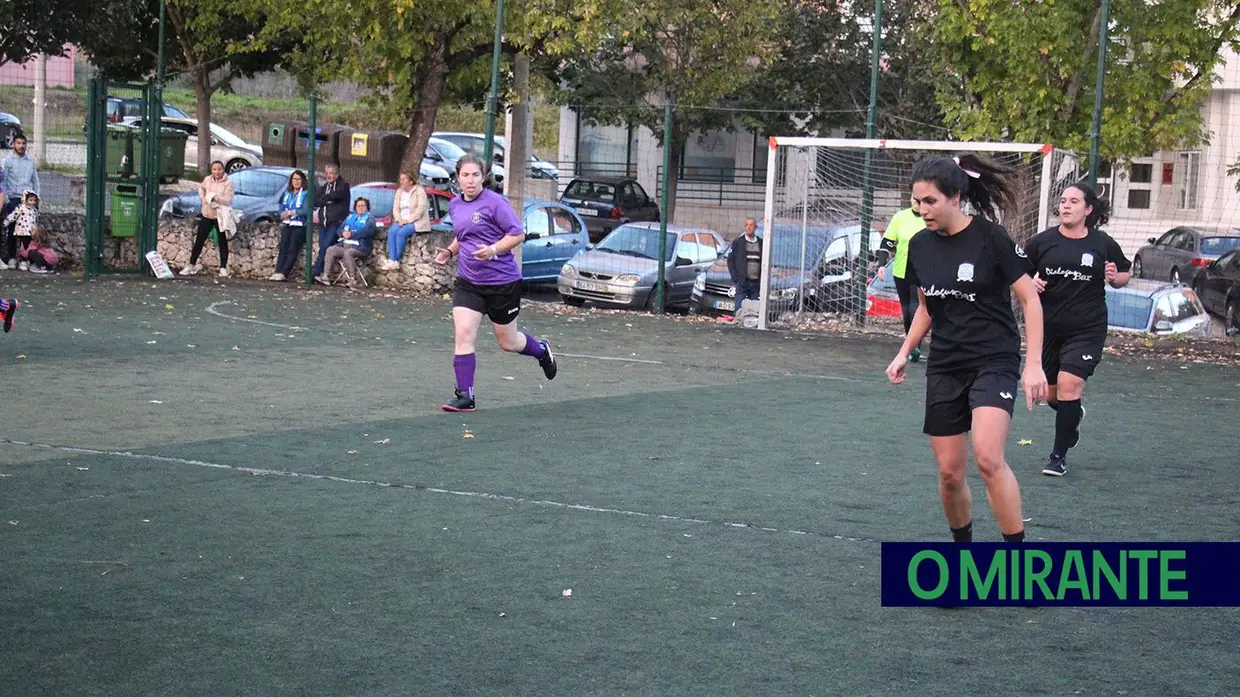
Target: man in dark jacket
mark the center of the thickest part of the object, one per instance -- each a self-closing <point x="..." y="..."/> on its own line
<point x="745" y="263"/>
<point x="333" y="202"/>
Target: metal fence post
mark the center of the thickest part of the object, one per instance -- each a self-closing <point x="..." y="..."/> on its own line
<point x="312" y="182"/>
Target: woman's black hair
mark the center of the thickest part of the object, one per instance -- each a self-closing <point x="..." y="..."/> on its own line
<point x="1102" y="208"/>
<point x="216" y="162"/>
<point x="980" y="181"/>
<point x="360" y="199"/>
<point x="297" y="173"/>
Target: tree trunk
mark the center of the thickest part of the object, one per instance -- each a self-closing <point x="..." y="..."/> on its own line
<point x="200" y="79"/>
<point x="673" y="172"/>
<point x="430" y="78"/>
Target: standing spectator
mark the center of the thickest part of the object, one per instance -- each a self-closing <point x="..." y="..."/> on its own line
<point x="21" y="222"/>
<point x="333" y="207"/>
<point x="294" y="210"/>
<point x="410" y="215"/>
<point x="745" y="263"/>
<point x="215" y="192"/>
<point x="357" y="234"/>
<point x="20" y="175"/>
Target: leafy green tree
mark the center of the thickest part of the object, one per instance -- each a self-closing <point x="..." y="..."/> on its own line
<point x="415" y="54"/>
<point x="698" y="55"/>
<point x="207" y="40"/>
<point x="32" y="27"/>
<point x="1026" y="71"/>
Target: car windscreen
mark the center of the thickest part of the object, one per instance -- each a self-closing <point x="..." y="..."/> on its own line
<point x="591" y="191"/>
<point x="447" y="149"/>
<point x="226" y="136"/>
<point x="1129" y="310"/>
<point x="380" y="199"/>
<point x="786" y="251"/>
<point x="1218" y="246"/>
<point x="637" y="242"/>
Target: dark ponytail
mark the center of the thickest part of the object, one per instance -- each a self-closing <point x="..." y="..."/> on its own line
<point x="1102" y="208"/>
<point x="982" y="182"/>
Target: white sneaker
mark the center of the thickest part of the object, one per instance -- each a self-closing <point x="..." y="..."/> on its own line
<point x="224" y="272"/>
<point x="190" y="270"/>
<point x="23" y="266"/>
<point x="276" y="277"/>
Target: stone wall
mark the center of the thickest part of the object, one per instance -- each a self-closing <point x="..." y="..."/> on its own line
<point x="252" y="252"/>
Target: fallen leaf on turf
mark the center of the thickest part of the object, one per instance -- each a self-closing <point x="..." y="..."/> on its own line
<point x="467" y="434"/>
<point x="155" y="401"/>
<point x="169" y="307"/>
<point x="21" y="356"/>
<point x="236" y="348"/>
<point x="83" y="469"/>
<point x="151" y="341"/>
<point x="13" y="522"/>
<point x="351" y="452"/>
<point x="1024" y="441"/>
<point x="75" y="329"/>
<point x="385" y="441"/>
<point x="567" y="593"/>
<point x="508" y="377"/>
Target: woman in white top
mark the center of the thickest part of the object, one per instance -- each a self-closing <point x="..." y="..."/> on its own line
<point x="410" y="215"/>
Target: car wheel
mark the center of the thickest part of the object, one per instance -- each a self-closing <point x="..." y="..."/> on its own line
<point x="572" y="302"/>
<point x="1232" y="316"/>
<point x="262" y="219"/>
<point x="1175" y="275"/>
<point x="236" y="166"/>
<point x="1137" y="268"/>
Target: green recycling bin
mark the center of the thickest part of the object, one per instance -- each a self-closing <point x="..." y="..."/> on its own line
<point x="118" y="149"/>
<point x="171" y="153"/>
<point x="125" y="205"/>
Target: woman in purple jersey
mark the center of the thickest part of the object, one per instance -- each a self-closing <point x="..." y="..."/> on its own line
<point x="488" y="279"/>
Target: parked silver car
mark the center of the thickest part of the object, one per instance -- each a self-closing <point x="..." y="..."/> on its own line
<point x="1155" y="307"/>
<point x="1181" y="252"/>
<point x="622" y="270"/>
<point x="226" y="146"/>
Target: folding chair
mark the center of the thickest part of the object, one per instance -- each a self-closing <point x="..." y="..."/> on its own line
<point x="344" y="274"/>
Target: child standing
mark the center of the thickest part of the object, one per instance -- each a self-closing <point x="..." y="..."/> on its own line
<point x="24" y="219"/>
<point x="39" y="253"/>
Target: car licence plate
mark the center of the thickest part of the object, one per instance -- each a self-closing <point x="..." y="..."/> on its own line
<point x="586" y="211"/>
<point x="725" y="305"/>
<point x="596" y="287"/>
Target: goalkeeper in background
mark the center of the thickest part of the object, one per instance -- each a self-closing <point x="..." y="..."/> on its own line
<point x="900" y="230"/>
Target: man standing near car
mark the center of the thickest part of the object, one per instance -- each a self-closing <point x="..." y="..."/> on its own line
<point x="20" y="175"/>
<point x="333" y="198"/>
<point x="745" y="263"/>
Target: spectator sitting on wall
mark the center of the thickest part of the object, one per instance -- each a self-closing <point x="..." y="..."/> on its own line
<point x="410" y="215"/>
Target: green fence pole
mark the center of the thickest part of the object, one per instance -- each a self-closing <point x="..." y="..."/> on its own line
<point x="862" y="274"/>
<point x="1095" y="133"/>
<point x="493" y="101"/>
<point x="152" y="173"/>
<point x="312" y="146"/>
<point x="93" y="181"/>
<point x="663" y="198"/>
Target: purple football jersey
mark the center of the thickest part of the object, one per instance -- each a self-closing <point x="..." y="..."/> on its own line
<point x="478" y="223"/>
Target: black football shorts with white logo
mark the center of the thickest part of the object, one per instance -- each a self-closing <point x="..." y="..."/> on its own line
<point x="501" y="303"/>
<point x="1075" y="354"/>
<point x="952" y="396"/>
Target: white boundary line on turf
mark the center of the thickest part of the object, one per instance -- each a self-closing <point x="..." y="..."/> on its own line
<point x="430" y="489"/>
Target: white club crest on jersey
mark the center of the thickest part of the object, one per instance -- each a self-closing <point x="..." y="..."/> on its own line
<point x="965" y="273"/>
<point x="1020" y="252"/>
<point x="1087" y="259"/>
<point x="1005" y="395"/>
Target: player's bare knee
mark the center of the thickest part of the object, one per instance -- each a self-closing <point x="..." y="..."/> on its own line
<point x="952" y="476"/>
<point x="989" y="462"/>
<point x="1069" y="388"/>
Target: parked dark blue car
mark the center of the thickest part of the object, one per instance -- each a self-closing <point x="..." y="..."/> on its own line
<point x="553" y="234"/>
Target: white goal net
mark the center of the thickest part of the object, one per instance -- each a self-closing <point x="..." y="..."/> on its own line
<point x="818" y="268"/>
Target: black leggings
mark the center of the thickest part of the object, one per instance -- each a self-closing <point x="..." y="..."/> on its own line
<point x="13" y="240"/>
<point x="908" y="301"/>
<point x="204" y="231"/>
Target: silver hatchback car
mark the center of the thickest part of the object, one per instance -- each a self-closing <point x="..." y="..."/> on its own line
<point x="622" y="270"/>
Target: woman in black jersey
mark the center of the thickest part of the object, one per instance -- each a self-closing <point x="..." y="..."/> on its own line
<point x="1072" y="263"/>
<point x="965" y="268"/>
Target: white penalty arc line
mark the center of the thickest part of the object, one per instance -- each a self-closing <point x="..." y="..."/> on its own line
<point x="430" y="489"/>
